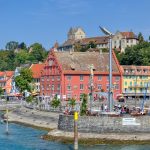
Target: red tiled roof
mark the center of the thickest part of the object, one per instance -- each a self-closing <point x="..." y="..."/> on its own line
<point x="128" y="35"/>
<point x="80" y="61"/>
<point x="36" y="70"/>
<point x="6" y="73"/>
<point x="96" y="40"/>
<point x="85" y="41"/>
<point x="9" y="73"/>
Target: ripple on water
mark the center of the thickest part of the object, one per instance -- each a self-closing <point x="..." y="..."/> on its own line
<point x="27" y="138"/>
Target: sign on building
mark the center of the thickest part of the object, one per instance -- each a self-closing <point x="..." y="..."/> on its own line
<point x="129" y="122"/>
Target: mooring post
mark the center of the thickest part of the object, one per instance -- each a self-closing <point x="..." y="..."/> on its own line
<point x="75" y="130"/>
<point x="7" y="120"/>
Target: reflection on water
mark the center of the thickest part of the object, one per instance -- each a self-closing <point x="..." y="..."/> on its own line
<point x="26" y="138"/>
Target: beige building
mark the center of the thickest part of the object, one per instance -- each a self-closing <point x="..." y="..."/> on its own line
<point x="76" y="34"/>
<point x="121" y="40"/>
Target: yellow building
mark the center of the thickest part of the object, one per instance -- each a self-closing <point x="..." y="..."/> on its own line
<point x="136" y="81"/>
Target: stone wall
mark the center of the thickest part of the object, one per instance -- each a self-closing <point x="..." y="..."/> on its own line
<point x="102" y="124"/>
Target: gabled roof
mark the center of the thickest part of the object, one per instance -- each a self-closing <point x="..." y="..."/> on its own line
<point x="80" y="61"/>
<point x="128" y="35"/>
<point x="85" y="41"/>
<point x="96" y="40"/>
<point x="6" y="73"/>
<point x="36" y="70"/>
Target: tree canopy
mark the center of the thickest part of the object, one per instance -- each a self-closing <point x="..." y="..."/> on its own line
<point x="17" y="54"/>
<point x="23" y="81"/>
<point x="136" y="55"/>
<point x="140" y="37"/>
<point x="11" y="45"/>
<point x="1" y="91"/>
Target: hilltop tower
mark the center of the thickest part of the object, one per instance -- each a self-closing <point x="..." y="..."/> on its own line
<point x="76" y="33"/>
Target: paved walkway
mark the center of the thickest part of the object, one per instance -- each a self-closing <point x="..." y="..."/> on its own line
<point x="34" y="117"/>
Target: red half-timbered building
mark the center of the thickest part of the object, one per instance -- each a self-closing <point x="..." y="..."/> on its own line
<point x="67" y="74"/>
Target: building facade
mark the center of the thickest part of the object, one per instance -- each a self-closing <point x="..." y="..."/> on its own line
<point x="76" y="33"/>
<point x="120" y="40"/>
<point x="5" y="81"/>
<point x="67" y="74"/>
<point x="136" y="81"/>
<point x="14" y="90"/>
<point x="36" y="73"/>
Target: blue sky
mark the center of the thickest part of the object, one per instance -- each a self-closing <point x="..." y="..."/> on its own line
<point x="46" y="21"/>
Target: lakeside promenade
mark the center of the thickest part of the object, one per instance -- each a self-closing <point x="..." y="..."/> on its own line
<point x="35" y="118"/>
<point x="49" y="121"/>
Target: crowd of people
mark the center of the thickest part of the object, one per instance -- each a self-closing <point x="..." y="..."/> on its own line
<point x="122" y="109"/>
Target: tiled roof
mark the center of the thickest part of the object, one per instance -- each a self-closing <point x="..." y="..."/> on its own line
<point x="36" y="70"/>
<point x="85" y="41"/>
<point x="80" y="61"/>
<point x="96" y="40"/>
<point x="6" y="73"/>
<point x="127" y="35"/>
<point x="135" y="70"/>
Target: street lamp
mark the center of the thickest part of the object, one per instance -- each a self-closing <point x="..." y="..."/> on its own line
<point x="91" y="67"/>
<point x="110" y="93"/>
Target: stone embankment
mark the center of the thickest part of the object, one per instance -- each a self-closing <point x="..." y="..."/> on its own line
<point x="62" y="130"/>
<point x="106" y="124"/>
<point x="101" y="138"/>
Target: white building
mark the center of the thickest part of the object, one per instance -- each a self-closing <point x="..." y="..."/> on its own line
<point x="121" y="40"/>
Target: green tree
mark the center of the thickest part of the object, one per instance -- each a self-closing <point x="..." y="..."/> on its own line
<point x="38" y="52"/>
<point x="55" y="102"/>
<point x="91" y="45"/>
<point x="140" y="37"/>
<point x="22" y="45"/>
<point x="23" y="81"/>
<point x="136" y="55"/>
<point x="21" y="57"/>
<point x="1" y="91"/>
<point x="12" y="45"/>
<point x="72" y="103"/>
<point x="11" y="60"/>
<point x="83" y="109"/>
<point x="29" y="99"/>
<point x="78" y="47"/>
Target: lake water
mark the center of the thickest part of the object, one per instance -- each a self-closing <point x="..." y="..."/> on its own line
<point x="26" y="138"/>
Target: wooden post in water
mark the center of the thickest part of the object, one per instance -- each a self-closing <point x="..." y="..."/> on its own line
<point x="75" y="130"/>
<point x="6" y="119"/>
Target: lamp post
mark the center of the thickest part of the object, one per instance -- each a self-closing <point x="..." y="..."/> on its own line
<point x="91" y="85"/>
<point x="110" y="93"/>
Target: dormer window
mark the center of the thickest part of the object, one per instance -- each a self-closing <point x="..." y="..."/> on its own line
<point x="145" y="70"/>
<point x="72" y="66"/>
<point x="132" y="71"/>
<point x="138" y="70"/>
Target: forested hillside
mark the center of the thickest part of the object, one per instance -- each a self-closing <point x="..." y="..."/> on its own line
<point x="16" y="54"/>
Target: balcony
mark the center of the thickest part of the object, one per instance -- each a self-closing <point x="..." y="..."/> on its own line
<point x="138" y="86"/>
<point x="137" y="93"/>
